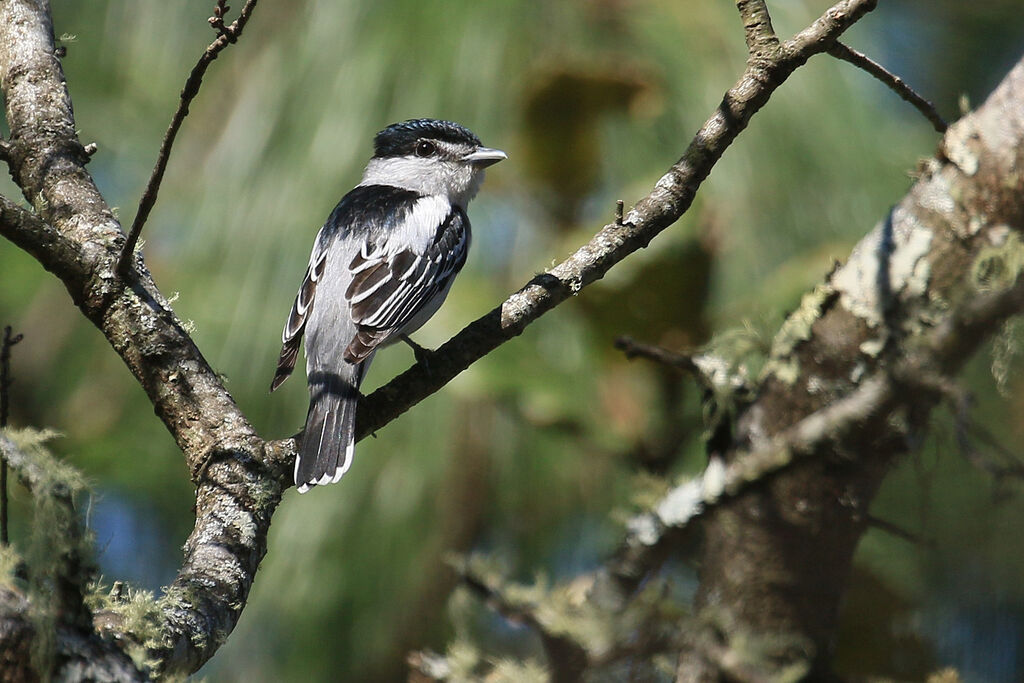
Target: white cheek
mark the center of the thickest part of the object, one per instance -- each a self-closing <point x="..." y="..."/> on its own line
<point x="457" y="182"/>
<point x="411" y="173"/>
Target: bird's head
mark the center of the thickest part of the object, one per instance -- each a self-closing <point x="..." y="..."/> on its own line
<point x="432" y="157"/>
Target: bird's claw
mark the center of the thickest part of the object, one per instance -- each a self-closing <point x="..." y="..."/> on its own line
<point x="421" y="353"/>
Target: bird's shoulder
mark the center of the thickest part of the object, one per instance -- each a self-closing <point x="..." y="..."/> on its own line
<point x="370" y="209"/>
<point x="388" y="219"/>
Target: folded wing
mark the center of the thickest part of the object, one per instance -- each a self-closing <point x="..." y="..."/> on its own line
<point x="390" y="287"/>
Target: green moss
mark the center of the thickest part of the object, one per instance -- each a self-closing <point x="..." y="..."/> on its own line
<point x="781" y="656"/>
<point x="1006" y="351"/>
<point x="571" y="611"/>
<point x="139" y="615"/>
<point x="512" y="671"/>
<point x="59" y="550"/>
<point x="463" y="658"/>
<point x="97" y="595"/>
<point x="997" y="267"/>
<point x="9" y="562"/>
<point x="796" y="329"/>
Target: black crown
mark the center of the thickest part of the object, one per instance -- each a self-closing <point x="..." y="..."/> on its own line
<point x="399" y="139"/>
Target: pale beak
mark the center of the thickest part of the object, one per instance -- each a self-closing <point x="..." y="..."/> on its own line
<point x="484" y="157"/>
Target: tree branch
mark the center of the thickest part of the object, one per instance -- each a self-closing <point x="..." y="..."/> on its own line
<point x="757" y="27"/>
<point x="892" y="81"/>
<point x="721" y="482"/>
<point x="227" y="35"/>
<point x="680" y="361"/>
<point x="711" y="374"/>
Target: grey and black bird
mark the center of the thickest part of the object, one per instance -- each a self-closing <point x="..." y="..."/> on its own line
<point x="381" y="266"/>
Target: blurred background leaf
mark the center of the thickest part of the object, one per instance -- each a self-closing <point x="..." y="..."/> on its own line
<point x="524" y="455"/>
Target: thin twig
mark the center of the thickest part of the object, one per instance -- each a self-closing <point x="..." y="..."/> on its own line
<point x="1013" y="467"/>
<point x="894" y="82"/>
<point x="897" y="531"/>
<point x="497" y="601"/>
<point x="634" y="349"/>
<point x="217" y="20"/>
<point x="226" y="36"/>
<point x="678" y="361"/>
<point x="965" y="428"/>
<point x="5" y="385"/>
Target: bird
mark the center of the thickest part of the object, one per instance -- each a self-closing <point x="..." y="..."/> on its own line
<point x="381" y="266"/>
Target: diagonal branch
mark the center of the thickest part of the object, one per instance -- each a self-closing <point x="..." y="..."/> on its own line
<point x="894" y="82"/>
<point x="666" y="203"/>
<point x="226" y="36"/>
<point x="721" y="481"/>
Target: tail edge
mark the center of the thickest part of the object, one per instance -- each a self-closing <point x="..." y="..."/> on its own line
<point x="327" y="457"/>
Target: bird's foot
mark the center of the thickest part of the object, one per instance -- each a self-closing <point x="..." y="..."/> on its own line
<point x="422" y="354"/>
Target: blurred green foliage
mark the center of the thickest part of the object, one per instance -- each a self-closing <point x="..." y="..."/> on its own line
<point x="524" y="455"/>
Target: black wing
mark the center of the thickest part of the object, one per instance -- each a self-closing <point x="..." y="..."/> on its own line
<point x="291" y="337"/>
<point x="379" y="209"/>
<point x="389" y="288"/>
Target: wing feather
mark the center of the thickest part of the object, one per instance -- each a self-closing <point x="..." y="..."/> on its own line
<point x="403" y="283"/>
<point x="291" y="336"/>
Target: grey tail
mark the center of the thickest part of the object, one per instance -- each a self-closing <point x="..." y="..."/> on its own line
<point x="328" y="443"/>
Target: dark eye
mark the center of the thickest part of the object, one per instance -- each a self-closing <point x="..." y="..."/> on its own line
<point x="425" y="148"/>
